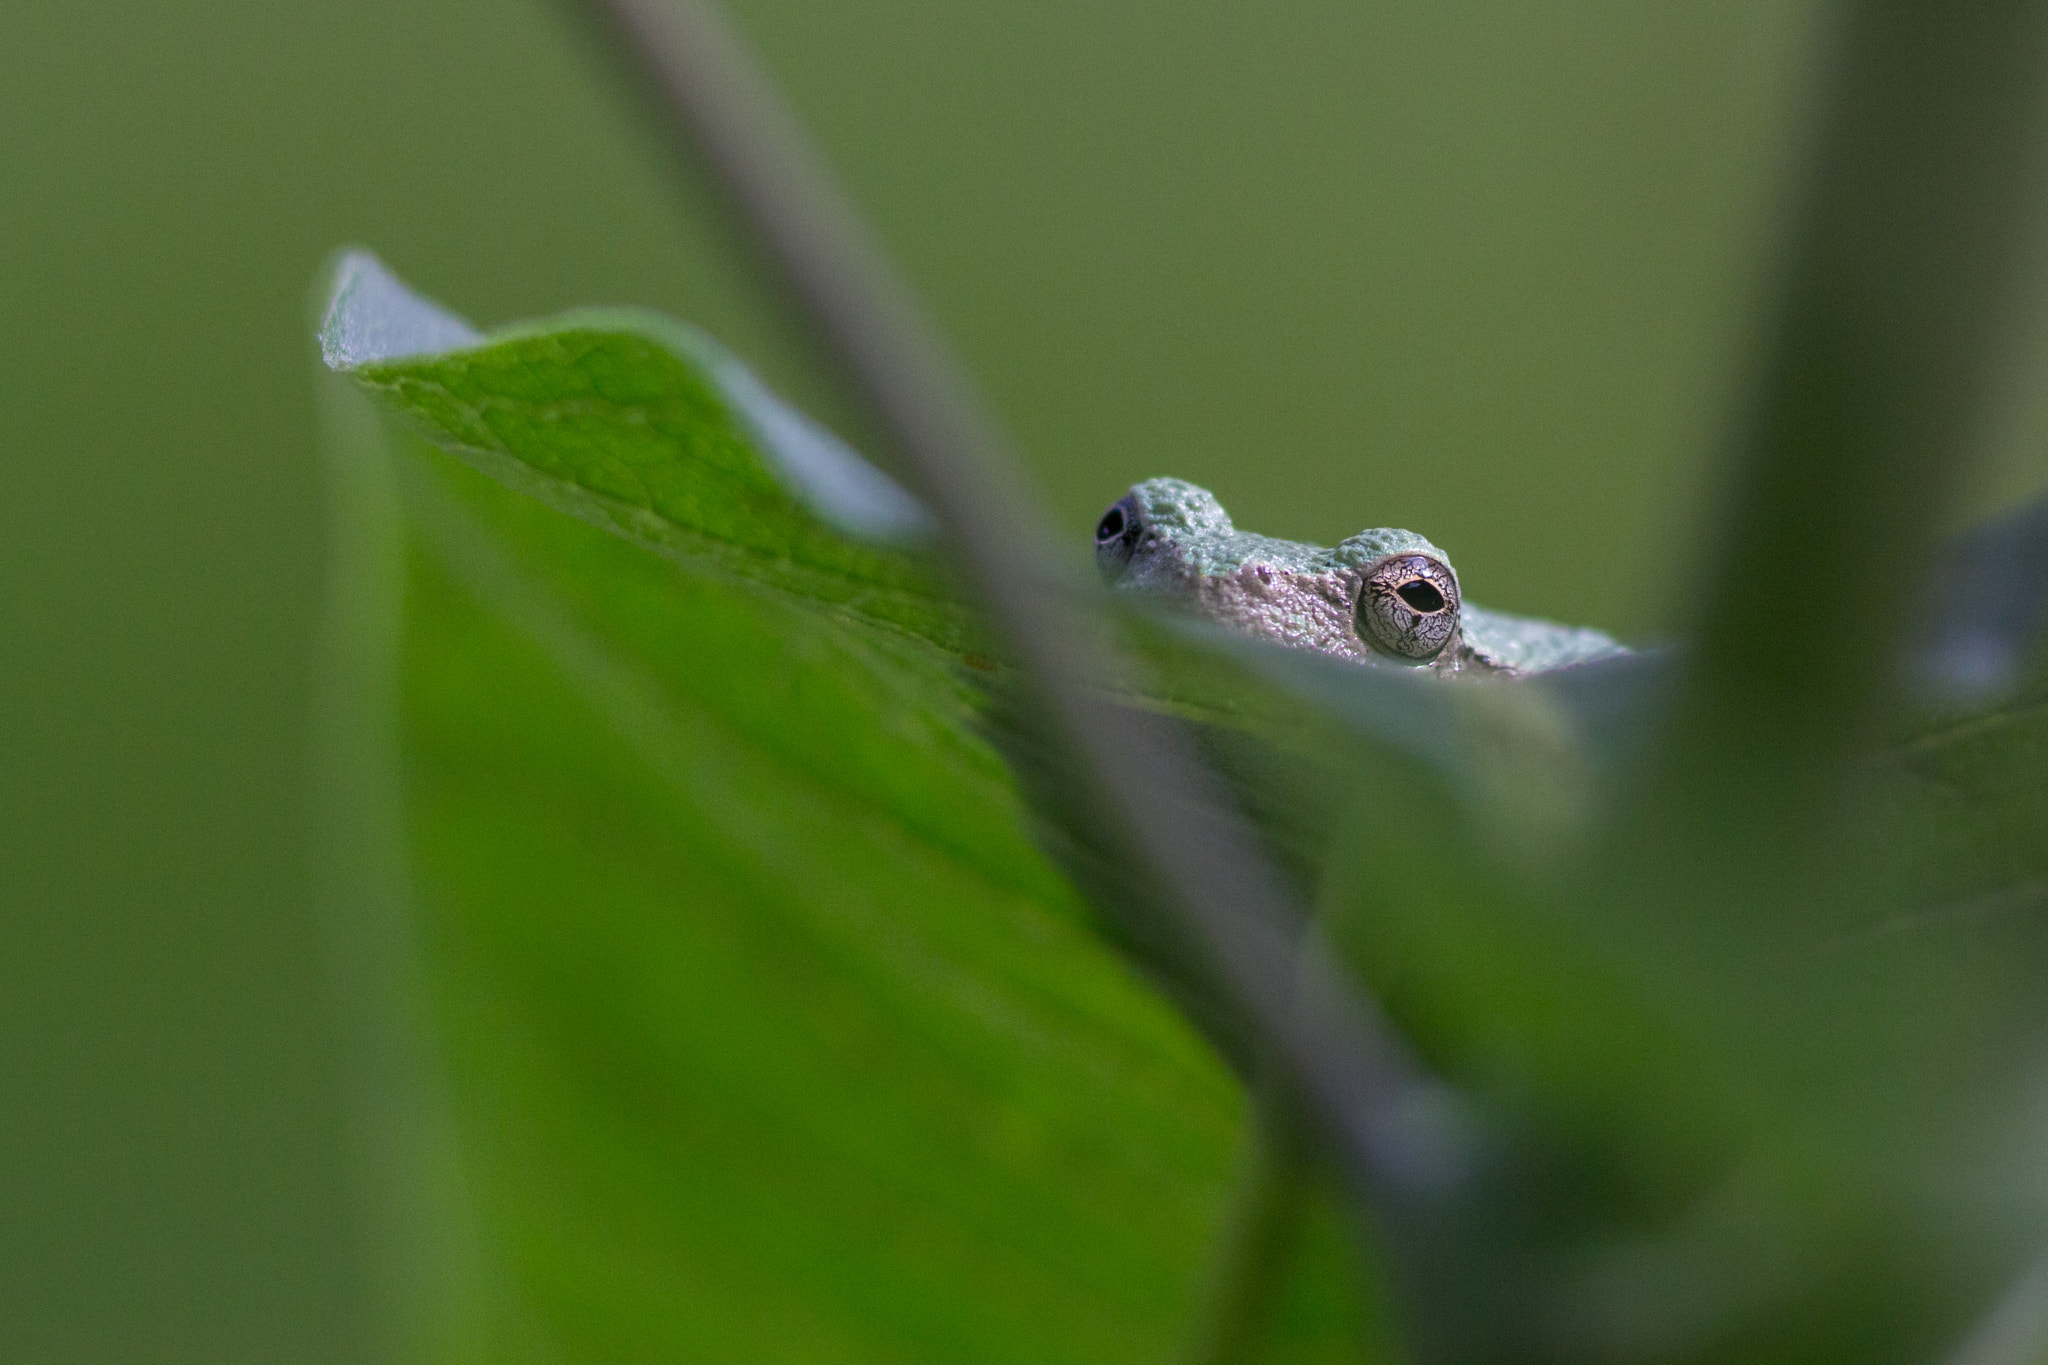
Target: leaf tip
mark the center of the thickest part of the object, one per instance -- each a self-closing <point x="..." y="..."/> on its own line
<point x="370" y="315"/>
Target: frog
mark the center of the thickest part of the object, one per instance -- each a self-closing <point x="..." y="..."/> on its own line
<point x="1383" y="598"/>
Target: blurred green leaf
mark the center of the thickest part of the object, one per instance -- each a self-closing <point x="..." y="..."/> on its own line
<point x="1959" y="799"/>
<point x="1811" y="1139"/>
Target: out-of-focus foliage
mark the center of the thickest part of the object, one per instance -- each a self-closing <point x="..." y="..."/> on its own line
<point x="1799" y="1131"/>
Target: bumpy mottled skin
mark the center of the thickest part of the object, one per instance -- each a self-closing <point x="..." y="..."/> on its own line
<point x="1179" y="543"/>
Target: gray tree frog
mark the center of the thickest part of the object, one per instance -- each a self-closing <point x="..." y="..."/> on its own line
<point x="1381" y="597"/>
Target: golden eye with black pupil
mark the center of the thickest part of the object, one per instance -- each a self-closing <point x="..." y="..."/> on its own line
<point x="1408" y="606"/>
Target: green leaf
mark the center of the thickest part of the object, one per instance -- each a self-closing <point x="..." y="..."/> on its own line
<point x="766" y="1030"/>
<point x="647" y="428"/>
<point x="1962" y="806"/>
<point x="722" y="880"/>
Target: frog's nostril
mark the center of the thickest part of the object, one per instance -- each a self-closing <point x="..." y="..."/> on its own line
<point x="1422" y="596"/>
<point x="1110" y="527"/>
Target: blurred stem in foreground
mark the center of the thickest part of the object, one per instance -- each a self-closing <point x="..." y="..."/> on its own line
<point x="1899" y="269"/>
<point x="2015" y="1331"/>
<point x="1137" y="779"/>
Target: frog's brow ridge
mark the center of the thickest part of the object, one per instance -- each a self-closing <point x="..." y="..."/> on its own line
<point x="1182" y="506"/>
<point x="1376" y="543"/>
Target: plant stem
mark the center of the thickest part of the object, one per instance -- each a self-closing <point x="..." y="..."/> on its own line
<point x="1137" y="777"/>
<point x="1899" y="271"/>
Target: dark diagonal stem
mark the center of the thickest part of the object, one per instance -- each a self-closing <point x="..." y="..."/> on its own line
<point x="1332" y="1040"/>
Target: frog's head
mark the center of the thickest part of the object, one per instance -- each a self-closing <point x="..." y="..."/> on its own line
<point x="1381" y="594"/>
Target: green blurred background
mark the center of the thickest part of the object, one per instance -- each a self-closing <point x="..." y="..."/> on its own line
<point x="1482" y="270"/>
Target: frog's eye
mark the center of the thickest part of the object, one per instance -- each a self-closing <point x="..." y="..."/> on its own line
<point x="1408" y="606"/>
<point x="1116" y="536"/>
